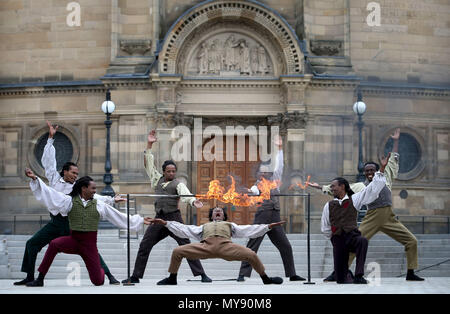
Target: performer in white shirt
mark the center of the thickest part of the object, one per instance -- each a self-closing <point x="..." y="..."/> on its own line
<point x="59" y="223"/>
<point x="339" y="223"/>
<point x="84" y="213"/>
<point x="215" y="242"/>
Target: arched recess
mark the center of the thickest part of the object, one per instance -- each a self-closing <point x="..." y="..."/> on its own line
<point x="249" y="18"/>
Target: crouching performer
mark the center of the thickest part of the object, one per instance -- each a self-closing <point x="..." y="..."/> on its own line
<point x="215" y="242"/>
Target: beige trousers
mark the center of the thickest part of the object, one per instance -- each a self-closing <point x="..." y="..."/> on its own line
<point x="215" y="247"/>
<point x="383" y="219"/>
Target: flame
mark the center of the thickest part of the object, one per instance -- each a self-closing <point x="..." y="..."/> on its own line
<point x="300" y="184"/>
<point x="217" y="191"/>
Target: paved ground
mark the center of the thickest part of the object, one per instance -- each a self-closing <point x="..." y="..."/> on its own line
<point x="433" y="285"/>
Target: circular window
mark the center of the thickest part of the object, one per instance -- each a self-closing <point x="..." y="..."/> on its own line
<point x="63" y="147"/>
<point x="409" y="150"/>
<point x="411" y="155"/>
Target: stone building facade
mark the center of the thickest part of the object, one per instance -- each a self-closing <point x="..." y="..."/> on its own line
<point x="294" y="64"/>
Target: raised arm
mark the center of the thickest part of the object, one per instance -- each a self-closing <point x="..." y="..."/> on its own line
<point x="279" y="161"/>
<point x="149" y="162"/>
<point x="54" y="201"/>
<point x="48" y="159"/>
<point x="391" y="171"/>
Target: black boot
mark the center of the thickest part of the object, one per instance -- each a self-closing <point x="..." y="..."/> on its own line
<point x="330" y="278"/>
<point x="112" y="280"/>
<point x="410" y="276"/>
<point x="132" y="279"/>
<point x="296" y="278"/>
<point x="24" y="281"/>
<point x="171" y="280"/>
<point x="39" y="282"/>
<point x="271" y="280"/>
<point x="359" y="279"/>
<point x="240" y="278"/>
<point x="206" y="278"/>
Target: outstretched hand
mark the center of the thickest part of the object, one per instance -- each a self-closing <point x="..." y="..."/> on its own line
<point x="30" y="174"/>
<point x="276" y="224"/>
<point x="118" y="198"/>
<point x="198" y="204"/>
<point x="155" y="221"/>
<point x="147" y="221"/>
<point x="315" y="185"/>
<point x="51" y="130"/>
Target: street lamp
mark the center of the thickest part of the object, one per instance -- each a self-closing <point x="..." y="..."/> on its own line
<point x="359" y="108"/>
<point x="108" y="108"/>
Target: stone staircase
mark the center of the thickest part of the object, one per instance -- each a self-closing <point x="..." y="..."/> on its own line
<point x="433" y="249"/>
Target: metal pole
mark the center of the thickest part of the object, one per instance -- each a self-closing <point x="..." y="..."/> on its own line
<point x="423" y="224"/>
<point x="309" y="241"/>
<point x="129" y="283"/>
<point x="107" y="177"/>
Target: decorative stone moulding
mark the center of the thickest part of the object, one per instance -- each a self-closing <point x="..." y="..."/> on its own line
<point x="135" y="46"/>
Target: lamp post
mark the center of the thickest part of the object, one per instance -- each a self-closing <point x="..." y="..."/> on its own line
<point x="108" y="108"/>
<point x="359" y="108"/>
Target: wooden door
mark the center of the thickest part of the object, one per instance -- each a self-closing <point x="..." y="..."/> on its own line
<point x="244" y="173"/>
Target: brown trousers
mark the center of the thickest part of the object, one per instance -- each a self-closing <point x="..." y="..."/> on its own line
<point x="383" y="219"/>
<point x="215" y="247"/>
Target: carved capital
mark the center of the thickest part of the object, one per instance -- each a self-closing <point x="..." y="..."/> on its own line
<point x="289" y="120"/>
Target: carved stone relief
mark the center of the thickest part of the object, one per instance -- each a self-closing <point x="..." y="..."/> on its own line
<point x="230" y="54"/>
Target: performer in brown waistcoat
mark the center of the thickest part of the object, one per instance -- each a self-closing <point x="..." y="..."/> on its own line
<point x="166" y="208"/>
<point x="215" y="242"/>
<point x="339" y="223"/>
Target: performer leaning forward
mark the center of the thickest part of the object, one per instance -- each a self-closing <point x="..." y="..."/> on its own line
<point x="59" y="223"/>
<point x="166" y="208"/>
<point x="215" y="242"/>
<point x="339" y="223"/>
<point x="84" y="213"/>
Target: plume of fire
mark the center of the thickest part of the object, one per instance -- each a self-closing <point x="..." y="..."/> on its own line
<point x="300" y="184"/>
<point x="217" y="191"/>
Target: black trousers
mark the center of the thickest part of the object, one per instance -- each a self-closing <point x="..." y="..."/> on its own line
<point x="343" y="244"/>
<point x="278" y="238"/>
<point x="152" y="236"/>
